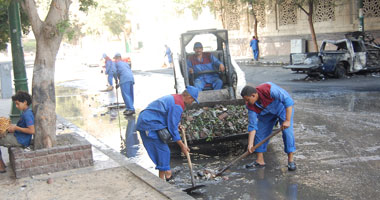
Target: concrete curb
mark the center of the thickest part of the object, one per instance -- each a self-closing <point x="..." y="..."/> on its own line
<point x="144" y="175"/>
<point x="261" y="62"/>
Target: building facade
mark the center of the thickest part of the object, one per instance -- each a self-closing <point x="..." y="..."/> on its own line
<point x="278" y="24"/>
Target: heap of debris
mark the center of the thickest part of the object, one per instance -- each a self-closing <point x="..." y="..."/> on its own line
<point x="218" y="121"/>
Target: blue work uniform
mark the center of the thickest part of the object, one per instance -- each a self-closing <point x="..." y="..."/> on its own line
<point x="164" y="112"/>
<point x="125" y="75"/>
<point x="206" y="64"/>
<point x="255" y="48"/>
<point x="110" y="70"/>
<point x="26" y="119"/>
<point x="270" y="108"/>
<point x="169" y="55"/>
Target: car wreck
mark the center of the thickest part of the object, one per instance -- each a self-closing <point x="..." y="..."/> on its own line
<point x="339" y="58"/>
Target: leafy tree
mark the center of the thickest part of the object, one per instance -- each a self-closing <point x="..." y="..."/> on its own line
<point x="4" y="24"/>
<point x="255" y="5"/>
<point x="49" y="34"/>
<point x="196" y="6"/>
<point x="309" y="12"/>
<point x="114" y="17"/>
<point x="220" y="7"/>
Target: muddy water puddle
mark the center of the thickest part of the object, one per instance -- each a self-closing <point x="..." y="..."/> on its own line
<point x="239" y="182"/>
<point x="346" y="100"/>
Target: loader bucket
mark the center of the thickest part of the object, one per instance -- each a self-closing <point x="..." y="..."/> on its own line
<point x="213" y="95"/>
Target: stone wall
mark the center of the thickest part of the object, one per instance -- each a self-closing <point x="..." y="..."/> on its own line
<point x="75" y="152"/>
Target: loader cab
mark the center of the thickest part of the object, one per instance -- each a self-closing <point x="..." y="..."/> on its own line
<point x="214" y="42"/>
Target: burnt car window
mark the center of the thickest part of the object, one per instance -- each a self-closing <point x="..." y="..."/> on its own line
<point x="357" y="47"/>
<point x="342" y="46"/>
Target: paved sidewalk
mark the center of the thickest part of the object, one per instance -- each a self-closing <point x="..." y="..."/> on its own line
<point x="113" y="176"/>
<point x="265" y="60"/>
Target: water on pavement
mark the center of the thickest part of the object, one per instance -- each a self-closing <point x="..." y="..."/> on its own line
<point x="81" y="102"/>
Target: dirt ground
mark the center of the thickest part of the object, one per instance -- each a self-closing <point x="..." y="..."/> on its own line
<point x="114" y="183"/>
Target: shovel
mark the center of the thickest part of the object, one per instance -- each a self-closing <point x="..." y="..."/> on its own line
<point x="194" y="187"/>
<point x="247" y="153"/>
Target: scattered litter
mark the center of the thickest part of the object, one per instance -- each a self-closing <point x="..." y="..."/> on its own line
<point x="49" y="181"/>
<point x="218" y="121"/>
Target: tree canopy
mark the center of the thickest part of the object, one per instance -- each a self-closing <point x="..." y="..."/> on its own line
<point x="4" y="24"/>
<point x="111" y="12"/>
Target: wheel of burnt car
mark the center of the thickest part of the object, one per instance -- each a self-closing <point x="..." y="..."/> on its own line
<point x="340" y="70"/>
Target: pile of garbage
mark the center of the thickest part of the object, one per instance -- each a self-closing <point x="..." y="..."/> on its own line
<point x="218" y="121"/>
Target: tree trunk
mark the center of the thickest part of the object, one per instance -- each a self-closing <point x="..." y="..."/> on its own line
<point x="313" y="36"/>
<point x="48" y="39"/>
<point x="255" y="22"/>
<point x="255" y="25"/>
<point x="310" y="20"/>
<point x="311" y="25"/>
<point x="44" y="94"/>
<point x="222" y="14"/>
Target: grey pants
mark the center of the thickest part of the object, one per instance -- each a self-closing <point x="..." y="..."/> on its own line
<point x="9" y="140"/>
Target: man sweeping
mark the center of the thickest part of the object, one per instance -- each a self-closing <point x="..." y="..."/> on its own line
<point x="158" y="124"/>
<point x="267" y="104"/>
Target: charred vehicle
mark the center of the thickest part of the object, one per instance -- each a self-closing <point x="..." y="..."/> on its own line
<point x="220" y="114"/>
<point x="339" y="58"/>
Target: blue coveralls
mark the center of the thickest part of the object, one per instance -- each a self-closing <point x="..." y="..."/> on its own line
<point x="206" y="64"/>
<point x="255" y="48"/>
<point x="169" y="55"/>
<point x="125" y="75"/>
<point x="110" y="70"/>
<point x="264" y="121"/>
<point x="164" y="112"/>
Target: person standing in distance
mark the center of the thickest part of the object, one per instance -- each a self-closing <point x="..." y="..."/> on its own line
<point x="254" y="44"/>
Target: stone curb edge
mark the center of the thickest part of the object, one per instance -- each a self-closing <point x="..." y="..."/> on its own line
<point x="155" y="182"/>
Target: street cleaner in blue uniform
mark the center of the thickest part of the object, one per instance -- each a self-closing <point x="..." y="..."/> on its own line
<point x="126" y="82"/>
<point x="110" y="71"/>
<point x="200" y="62"/>
<point x="161" y="118"/>
<point x="267" y="104"/>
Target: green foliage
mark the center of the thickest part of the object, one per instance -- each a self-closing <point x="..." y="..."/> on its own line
<point x="86" y="4"/>
<point x="70" y="29"/>
<point x="4" y="24"/>
<point x="62" y="26"/>
<point x="115" y="21"/>
<point x="114" y="15"/>
<point x="195" y="6"/>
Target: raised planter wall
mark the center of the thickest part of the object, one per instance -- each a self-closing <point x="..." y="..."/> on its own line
<point x="76" y="154"/>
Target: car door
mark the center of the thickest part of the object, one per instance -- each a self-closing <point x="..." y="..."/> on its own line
<point x="358" y="56"/>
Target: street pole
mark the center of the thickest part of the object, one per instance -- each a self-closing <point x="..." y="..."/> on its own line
<point x="19" y="72"/>
<point x="361" y="17"/>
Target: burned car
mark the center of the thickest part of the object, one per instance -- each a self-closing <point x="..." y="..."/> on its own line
<point x="338" y="58"/>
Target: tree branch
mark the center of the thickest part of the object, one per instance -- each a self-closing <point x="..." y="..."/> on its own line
<point x="58" y="11"/>
<point x="29" y="6"/>
<point x="299" y="5"/>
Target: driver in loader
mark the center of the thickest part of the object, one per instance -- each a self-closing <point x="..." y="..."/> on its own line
<point x="201" y="62"/>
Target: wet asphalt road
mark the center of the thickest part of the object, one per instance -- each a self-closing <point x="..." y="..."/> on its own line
<point x="336" y="126"/>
